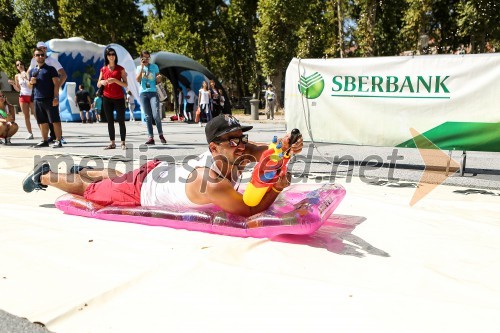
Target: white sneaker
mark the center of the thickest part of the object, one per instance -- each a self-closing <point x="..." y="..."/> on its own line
<point x="200" y="124"/>
<point x="29" y="137"/>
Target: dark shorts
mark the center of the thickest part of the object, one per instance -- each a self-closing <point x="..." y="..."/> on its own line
<point x="124" y="190"/>
<point x="45" y="112"/>
<point x="84" y="106"/>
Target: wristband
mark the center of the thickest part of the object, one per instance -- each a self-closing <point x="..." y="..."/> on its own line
<point x="275" y="190"/>
<point x="56" y="97"/>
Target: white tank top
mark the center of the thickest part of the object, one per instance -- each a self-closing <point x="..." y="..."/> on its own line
<point x="23" y="83"/>
<point x="166" y="184"/>
<point x="204" y="96"/>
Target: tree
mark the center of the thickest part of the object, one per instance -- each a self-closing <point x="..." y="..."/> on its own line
<point x="218" y="34"/>
<point x="240" y="66"/>
<point x="8" y="22"/>
<point x="478" y="22"/>
<point x="277" y="36"/>
<point x="20" y="47"/>
<point x="104" y="22"/>
<point x="40" y="17"/>
<point x="317" y="31"/>
<point x="171" y="33"/>
<point x="416" y="23"/>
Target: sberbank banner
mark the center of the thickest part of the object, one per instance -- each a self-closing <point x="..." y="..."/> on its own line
<point x="452" y="100"/>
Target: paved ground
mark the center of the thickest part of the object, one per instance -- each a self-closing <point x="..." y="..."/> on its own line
<point x="320" y="161"/>
<point x="323" y="161"/>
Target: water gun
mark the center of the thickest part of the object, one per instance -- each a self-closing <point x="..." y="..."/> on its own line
<point x="272" y="165"/>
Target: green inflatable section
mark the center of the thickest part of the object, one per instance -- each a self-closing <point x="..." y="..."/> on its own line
<point x="459" y="136"/>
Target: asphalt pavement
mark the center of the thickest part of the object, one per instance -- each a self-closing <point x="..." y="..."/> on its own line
<point x="319" y="161"/>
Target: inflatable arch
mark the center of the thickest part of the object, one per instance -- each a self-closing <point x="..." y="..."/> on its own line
<point x="184" y="72"/>
<point x="83" y="59"/>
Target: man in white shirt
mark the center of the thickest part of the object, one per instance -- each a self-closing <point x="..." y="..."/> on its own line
<point x="210" y="179"/>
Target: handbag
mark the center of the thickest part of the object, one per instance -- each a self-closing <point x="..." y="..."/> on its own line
<point x="100" y="91"/>
<point x="162" y="93"/>
<point x="198" y="114"/>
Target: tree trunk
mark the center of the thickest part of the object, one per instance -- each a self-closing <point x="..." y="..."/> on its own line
<point x="277" y="82"/>
<point x="340" y="21"/>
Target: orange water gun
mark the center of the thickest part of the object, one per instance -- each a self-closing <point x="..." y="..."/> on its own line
<point x="272" y="165"/>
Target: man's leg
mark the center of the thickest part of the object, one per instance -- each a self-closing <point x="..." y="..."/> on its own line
<point x="58" y="130"/>
<point x="77" y="183"/>
<point x="99" y="174"/>
<point x="53" y="134"/>
<point x="70" y="183"/>
<point x="44" y="129"/>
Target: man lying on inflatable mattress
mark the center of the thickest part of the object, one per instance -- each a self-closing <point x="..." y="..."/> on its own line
<point x="210" y="178"/>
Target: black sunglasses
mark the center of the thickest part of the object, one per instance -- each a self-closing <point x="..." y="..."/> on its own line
<point x="111" y="54"/>
<point x="39" y="55"/>
<point x="19" y="64"/>
<point x="234" y="142"/>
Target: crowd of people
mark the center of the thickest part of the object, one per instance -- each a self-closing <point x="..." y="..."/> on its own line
<point x="39" y="85"/>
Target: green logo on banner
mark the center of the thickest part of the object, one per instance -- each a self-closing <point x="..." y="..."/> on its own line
<point x="311" y="86"/>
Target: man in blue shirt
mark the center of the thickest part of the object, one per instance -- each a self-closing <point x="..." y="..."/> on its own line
<point x="44" y="80"/>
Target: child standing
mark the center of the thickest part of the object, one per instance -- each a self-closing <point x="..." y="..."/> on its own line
<point x="97" y="106"/>
<point x="131" y="105"/>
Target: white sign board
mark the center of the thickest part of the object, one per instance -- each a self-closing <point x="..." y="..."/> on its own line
<point x="453" y="100"/>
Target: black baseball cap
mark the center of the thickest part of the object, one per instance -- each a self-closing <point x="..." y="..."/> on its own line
<point x="223" y="124"/>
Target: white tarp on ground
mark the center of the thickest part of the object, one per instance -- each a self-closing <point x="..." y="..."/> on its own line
<point x="378" y="265"/>
<point x="375" y="101"/>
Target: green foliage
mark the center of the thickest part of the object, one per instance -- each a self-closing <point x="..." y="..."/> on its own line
<point x="218" y="35"/>
<point x="277" y="35"/>
<point x="8" y="21"/>
<point x="242" y="41"/>
<point x="103" y="22"/>
<point x="19" y="48"/>
<point x="171" y="33"/>
<point x="39" y="15"/>
<point x="315" y="35"/>
<point x="478" y="21"/>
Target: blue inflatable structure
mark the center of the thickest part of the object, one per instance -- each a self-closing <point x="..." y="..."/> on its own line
<point x="82" y="61"/>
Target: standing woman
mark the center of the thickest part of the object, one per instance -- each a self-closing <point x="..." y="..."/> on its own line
<point x="114" y="79"/>
<point x="215" y="99"/>
<point x="204" y="101"/>
<point x="20" y="84"/>
<point x="148" y="75"/>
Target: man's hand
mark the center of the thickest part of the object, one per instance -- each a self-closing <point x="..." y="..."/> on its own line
<point x="295" y="148"/>
<point x="283" y="181"/>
